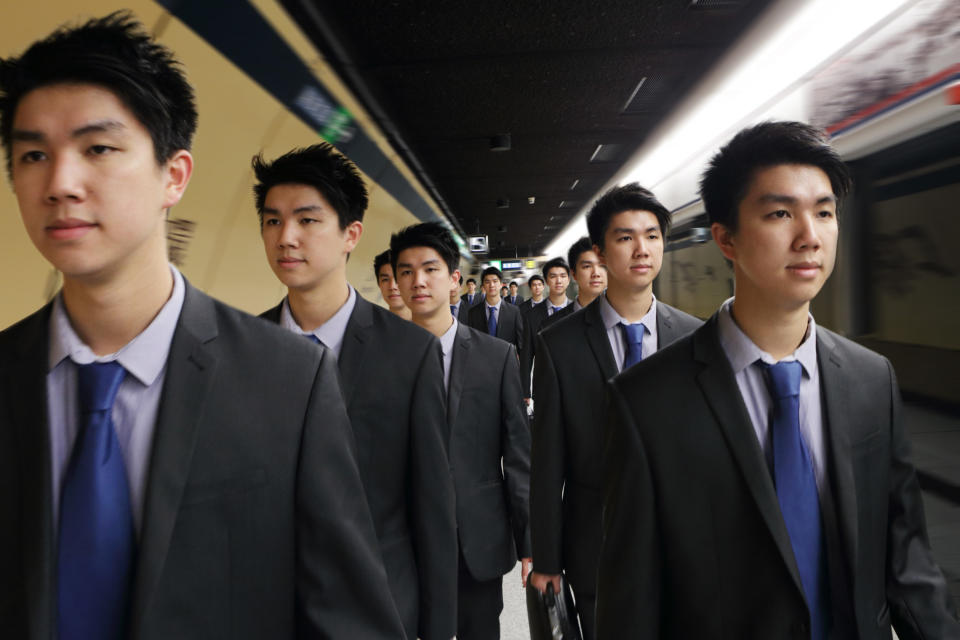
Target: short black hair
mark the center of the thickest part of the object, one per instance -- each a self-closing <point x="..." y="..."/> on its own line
<point x="427" y="234"/>
<point x="461" y="280"/>
<point x="577" y="249"/>
<point x="513" y="283"/>
<point x="535" y="276"/>
<point x="469" y="280"/>
<point x="727" y="179"/>
<point x="380" y="260"/>
<point x="628" y="197"/>
<point x="553" y="263"/>
<point x="319" y="166"/>
<point x="115" y="53"/>
<point x="491" y="271"/>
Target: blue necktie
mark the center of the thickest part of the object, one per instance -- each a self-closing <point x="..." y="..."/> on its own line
<point x="313" y="338"/>
<point x="453" y="310"/>
<point x="797" y="491"/>
<point x="633" y="336"/>
<point x="96" y="545"/>
<point x="553" y="309"/>
<point x="492" y="323"/>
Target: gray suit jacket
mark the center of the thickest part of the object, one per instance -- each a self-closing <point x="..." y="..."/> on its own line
<point x="574" y="362"/>
<point x="489" y="453"/>
<point x="392" y="376"/>
<point x="695" y="545"/>
<point x="254" y="523"/>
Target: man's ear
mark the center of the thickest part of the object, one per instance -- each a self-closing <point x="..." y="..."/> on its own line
<point x="353" y="232"/>
<point x="177" y="171"/>
<point x="725" y="239"/>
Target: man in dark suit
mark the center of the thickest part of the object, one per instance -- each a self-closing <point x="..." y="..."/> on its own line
<point x="757" y="481"/>
<point x="489" y="436"/>
<point x="170" y="467"/>
<point x="513" y="298"/>
<point x="575" y="358"/>
<point x="588" y="273"/>
<point x="493" y="316"/>
<point x="536" y="294"/>
<point x="556" y="272"/>
<point x="472" y="296"/>
<point x="311" y="203"/>
<point x="458" y="308"/>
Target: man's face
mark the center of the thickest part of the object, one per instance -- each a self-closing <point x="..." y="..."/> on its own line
<point x="388" y="287"/>
<point x="536" y="289"/>
<point x="591" y="276"/>
<point x="91" y="195"/>
<point x="633" y="252"/>
<point x="558" y="281"/>
<point x="425" y="281"/>
<point x="786" y="243"/>
<point x="491" y="286"/>
<point x="471" y="288"/>
<point x="302" y="236"/>
<point x="513" y="289"/>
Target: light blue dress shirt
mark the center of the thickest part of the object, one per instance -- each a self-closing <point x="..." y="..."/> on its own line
<point x="743" y="355"/>
<point x="138" y="399"/>
<point x="446" y="345"/>
<point x="612" y="320"/>
<point x="330" y="333"/>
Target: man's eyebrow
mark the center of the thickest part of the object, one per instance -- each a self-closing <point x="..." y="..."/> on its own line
<point x="309" y="208"/>
<point x="779" y="198"/>
<point x="100" y="126"/>
<point x="22" y="135"/>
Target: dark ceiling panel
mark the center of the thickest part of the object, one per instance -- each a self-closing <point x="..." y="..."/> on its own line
<point x="562" y="78"/>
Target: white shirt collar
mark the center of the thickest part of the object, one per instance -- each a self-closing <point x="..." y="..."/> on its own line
<point x="742" y="351"/>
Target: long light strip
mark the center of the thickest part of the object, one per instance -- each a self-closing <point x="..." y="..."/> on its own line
<point x="788" y="43"/>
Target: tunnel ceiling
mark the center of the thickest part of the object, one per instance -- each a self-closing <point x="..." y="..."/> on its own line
<point x="577" y="85"/>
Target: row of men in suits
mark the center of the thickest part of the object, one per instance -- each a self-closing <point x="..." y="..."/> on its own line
<point x="171" y="467"/>
<point x="746" y="477"/>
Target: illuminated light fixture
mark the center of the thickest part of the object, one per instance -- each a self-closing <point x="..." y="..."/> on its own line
<point x="574" y="185"/>
<point x="531" y="200"/>
<point x="776" y="54"/>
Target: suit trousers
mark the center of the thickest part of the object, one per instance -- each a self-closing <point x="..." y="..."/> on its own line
<point x="586" y="604"/>
<point x="479" y="603"/>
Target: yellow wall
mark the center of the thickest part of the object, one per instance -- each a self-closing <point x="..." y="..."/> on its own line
<point x="237" y="119"/>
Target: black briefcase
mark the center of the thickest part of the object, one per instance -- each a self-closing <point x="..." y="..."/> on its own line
<point x="552" y="616"/>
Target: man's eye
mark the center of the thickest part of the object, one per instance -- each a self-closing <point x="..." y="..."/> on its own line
<point x="825" y="214"/>
<point x="782" y="213"/>
<point x="307" y="220"/>
<point x="100" y="149"/>
<point x="270" y="222"/>
<point x="32" y="156"/>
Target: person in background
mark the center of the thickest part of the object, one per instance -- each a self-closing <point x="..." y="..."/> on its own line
<point x="494" y="317"/>
<point x="459" y="309"/>
<point x="513" y="298"/>
<point x="489" y="436"/>
<point x="556" y="272"/>
<point x="311" y="203"/>
<point x="472" y="296"/>
<point x="536" y="294"/>
<point x="383" y="271"/>
<point x="575" y="358"/>
<point x="170" y="467"/>
<point x="588" y="273"/>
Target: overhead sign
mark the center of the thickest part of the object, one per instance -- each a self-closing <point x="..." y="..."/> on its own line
<point x="479" y="244"/>
<point x="512" y="265"/>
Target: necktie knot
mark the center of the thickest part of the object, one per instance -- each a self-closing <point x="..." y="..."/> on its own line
<point x="633" y="333"/>
<point x="783" y="378"/>
<point x="555" y="309"/>
<point x="98" y="383"/>
<point x="453" y="310"/>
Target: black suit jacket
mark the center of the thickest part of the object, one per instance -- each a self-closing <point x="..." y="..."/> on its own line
<point x="392" y="376"/>
<point x="695" y="543"/>
<point x="477" y="298"/>
<point x="463" y="312"/>
<point x="509" y="322"/>
<point x="516" y="302"/>
<point x="574" y="362"/>
<point x="489" y="453"/>
<point x="535" y="321"/>
<point x="254" y="521"/>
<point x="527" y="306"/>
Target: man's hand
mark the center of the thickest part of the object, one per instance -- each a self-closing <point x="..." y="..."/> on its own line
<point x="526" y="401"/>
<point x="525" y="565"/>
<point x="541" y="580"/>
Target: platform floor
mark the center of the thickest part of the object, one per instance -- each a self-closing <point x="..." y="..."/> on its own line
<point x="935" y="433"/>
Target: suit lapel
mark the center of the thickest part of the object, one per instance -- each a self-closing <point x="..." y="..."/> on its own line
<point x="356" y="344"/>
<point x="25" y="382"/>
<point x="458" y="373"/>
<point x="191" y="368"/>
<point x="597" y="337"/>
<point x="835" y="389"/>
<point x="720" y="389"/>
<point x="667" y="331"/>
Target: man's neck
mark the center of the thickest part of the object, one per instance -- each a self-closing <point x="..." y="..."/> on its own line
<point x="631" y="305"/>
<point x="107" y="313"/>
<point x="558" y="299"/>
<point x="402" y="312"/>
<point x="777" y="331"/>
<point x="312" y="308"/>
<point x="438" y="322"/>
<point x="493" y="300"/>
<point x="537" y="299"/>
<point x="585" y="300"/>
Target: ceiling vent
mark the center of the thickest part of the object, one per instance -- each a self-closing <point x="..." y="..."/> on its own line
<point x="503" y="203"/>
<point x="501" y="142"/>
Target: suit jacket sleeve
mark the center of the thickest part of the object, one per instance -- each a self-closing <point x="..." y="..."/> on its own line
<point x="516" y="452"/>
<point x="628" y="573"/>
<point x="547" y="466"/>
<point x="518" y="331"/>
<point x="526" y="358"/>
<point x="433" y="515"/>
<point x="920" y="605"/>
<point x="342" y="588"/>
